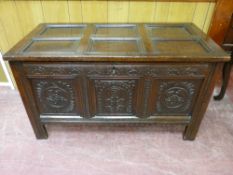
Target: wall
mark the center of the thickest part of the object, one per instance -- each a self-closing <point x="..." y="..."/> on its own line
<point x="18" y="17"/>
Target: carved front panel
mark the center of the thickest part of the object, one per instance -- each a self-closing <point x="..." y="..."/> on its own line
<point x="176" y="97"/>
<point x="106" y="89"/>
<point x="115" y="97"/>
<point x="55" y="96"/>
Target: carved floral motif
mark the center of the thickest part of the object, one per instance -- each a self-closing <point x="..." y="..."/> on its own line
<point x="175" y="96"/>
<point x="115" y="97"/>
<point x="55" y="96"/>
<point x="52" y="70"/>
<point x="109" y="70"/>
<point x="191" y="71"/>
<point x="154" y="71"/>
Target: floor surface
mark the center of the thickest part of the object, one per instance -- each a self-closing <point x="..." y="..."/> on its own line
<point x="115" y="150"/>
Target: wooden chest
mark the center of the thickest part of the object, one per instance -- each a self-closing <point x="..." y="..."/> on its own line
<point x="116" y="73"/>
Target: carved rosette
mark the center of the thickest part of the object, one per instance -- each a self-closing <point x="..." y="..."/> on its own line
<point x="115" y="97"/>
<point x="175" y="97"/>
<point x="55" y="96"/>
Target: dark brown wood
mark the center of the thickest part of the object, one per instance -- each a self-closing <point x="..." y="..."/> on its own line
<point x="89" y="44"/>
<point x="116" y="73"/>
<point x="221" y="20"/>
<point x="226" y="72"/>
<point x="228" y="46"/>
<point x="201" y="104"/>
<point x="28" y="100"/>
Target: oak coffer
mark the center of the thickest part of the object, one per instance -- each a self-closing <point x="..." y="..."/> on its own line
<point x="116" y="73"/>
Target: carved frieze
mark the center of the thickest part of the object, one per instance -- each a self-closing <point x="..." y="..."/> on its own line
<point x="155" y="71"/>
<point x="116" y="70"/>
<point x="52" y="70"/>
<point x="190" y="71"/>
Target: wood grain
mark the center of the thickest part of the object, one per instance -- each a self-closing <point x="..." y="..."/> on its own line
<point x="114" y="42"/>
<point x="30" y="14"/>
<point x="209" y="17"/>
<point x="95" y="11"/>
<point x="75" y="11"/>
<point x="181" y="12"/>
<point x="25" y="15"/>
<point x="4" y="40"/>
<point x="137" y="73"/>
<point x="221" y="20"/>
<point x="55" y="11"/>
<point x="161" y="11"/>
<point x="118" y="11"/>
<point x="141" y="11"/>
<point x="10" y="21"/>
<point x="200" y="12"/>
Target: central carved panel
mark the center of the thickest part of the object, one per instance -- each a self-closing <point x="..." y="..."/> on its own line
<point x="115" y="97"/>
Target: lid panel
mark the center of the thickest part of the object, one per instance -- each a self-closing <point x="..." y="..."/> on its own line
<point x="63" y="31"/>
<point x="180" y="47"/>
<point x="116" y="30"/>
<point x="53" y="46"/>
<point x="115" y="46"/>
<point x="168" y="32"/>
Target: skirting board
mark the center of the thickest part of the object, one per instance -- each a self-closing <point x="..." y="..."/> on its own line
<point x="9" y="81"/>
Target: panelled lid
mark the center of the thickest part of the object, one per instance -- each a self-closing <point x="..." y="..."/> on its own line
<point x="116" y="42"/>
